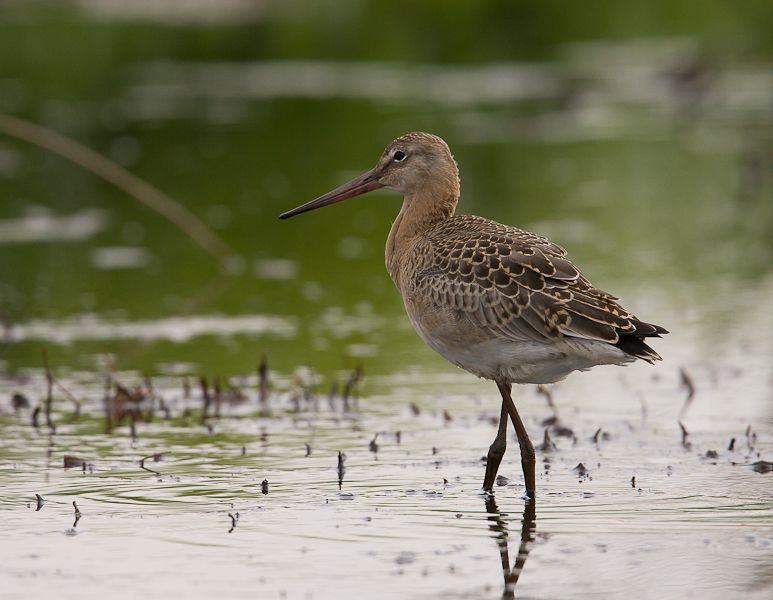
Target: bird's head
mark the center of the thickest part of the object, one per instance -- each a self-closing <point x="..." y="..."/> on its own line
<point x="410" y="164"/>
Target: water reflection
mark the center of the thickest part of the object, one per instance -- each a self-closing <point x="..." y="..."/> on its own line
<point x="498" y="524"/>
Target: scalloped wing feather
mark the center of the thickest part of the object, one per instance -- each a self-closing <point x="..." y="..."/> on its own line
<point x="522" y="286"/>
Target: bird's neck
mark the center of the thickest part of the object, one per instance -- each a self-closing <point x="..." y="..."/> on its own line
<point x="421" y="210"/>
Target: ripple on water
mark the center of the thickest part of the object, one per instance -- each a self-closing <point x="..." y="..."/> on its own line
<point x="409" y="516"/>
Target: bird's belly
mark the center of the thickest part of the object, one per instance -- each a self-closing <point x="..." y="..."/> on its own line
<point x="488" y="354"/>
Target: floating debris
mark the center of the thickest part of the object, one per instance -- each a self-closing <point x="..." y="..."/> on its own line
<point x="502" y="481"/>
<point x="264" y="487"/>
<point x="581" y="470"/>
<point x="711" y="454"/>
<point x="19" y="401"/>
<point x="415" y="409"/>
<point x="77" y="514"/>
<point x="763" y="466"/>
<point x="124" y="404"/>
<point x="74" y="462"/>
<point x="308" y="449"/>
<point x="447" y="418"/>
<point x="562" y="431"/>
<point x="40" y="502"/>
<point x="373" y="446"/>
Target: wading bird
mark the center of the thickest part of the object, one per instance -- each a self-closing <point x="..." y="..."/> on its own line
<point x="497" y="301"/>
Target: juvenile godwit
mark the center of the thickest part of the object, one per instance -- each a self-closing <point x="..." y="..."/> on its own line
<point x="497" y="301"/>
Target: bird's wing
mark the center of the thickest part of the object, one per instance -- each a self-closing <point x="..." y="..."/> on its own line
<point x="519" y="284"/>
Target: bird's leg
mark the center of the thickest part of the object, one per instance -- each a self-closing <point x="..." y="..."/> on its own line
<point x="528" y="460"/>
<point x="496" y="451"/>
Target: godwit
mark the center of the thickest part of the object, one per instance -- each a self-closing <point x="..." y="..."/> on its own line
<point x="497" y="301"/>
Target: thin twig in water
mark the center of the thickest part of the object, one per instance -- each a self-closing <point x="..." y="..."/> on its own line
<point x="349" y="387"/>
<point x="544" y="391"/>
<point x="685" y="433"/>
<point x="234" y="520"/>
<point x="133" y="426"/>
<point x="110" y="171"/>
<point x="77" y="514"/>
<point x="155" y="457"/>
<point x="341" y="468"/>
<point x="263" y="383"/>
<point x="67" y="393"/>
<point x="218" y="395"/>
<point x="49" y="392"/>
<point x="685" y="381"/>
<point x="207" y="400"/>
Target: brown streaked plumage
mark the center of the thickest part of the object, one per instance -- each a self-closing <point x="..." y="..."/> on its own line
<point x="500" y="302"/>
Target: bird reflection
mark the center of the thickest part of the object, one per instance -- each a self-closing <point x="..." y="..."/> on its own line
<point x="499" y="525"/>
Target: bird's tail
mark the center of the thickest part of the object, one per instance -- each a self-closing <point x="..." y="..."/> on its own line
<point x="633" y="342"/>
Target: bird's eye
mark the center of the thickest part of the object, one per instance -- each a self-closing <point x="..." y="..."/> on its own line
<point x="399" y="155"/>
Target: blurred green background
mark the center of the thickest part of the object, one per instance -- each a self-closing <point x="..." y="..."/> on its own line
<point x="639" y="137"/>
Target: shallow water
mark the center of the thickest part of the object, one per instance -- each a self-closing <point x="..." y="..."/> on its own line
<point x="646" y="155"/>
<point x="408" y="520"/>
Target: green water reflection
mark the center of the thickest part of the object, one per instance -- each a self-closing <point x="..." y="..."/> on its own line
<point x="638" y="140"/>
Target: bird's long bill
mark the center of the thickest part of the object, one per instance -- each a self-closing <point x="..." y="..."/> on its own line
<point x="359" y="185"/>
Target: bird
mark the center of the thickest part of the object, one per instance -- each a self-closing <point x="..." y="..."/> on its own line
<point x="500" y="302"/>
